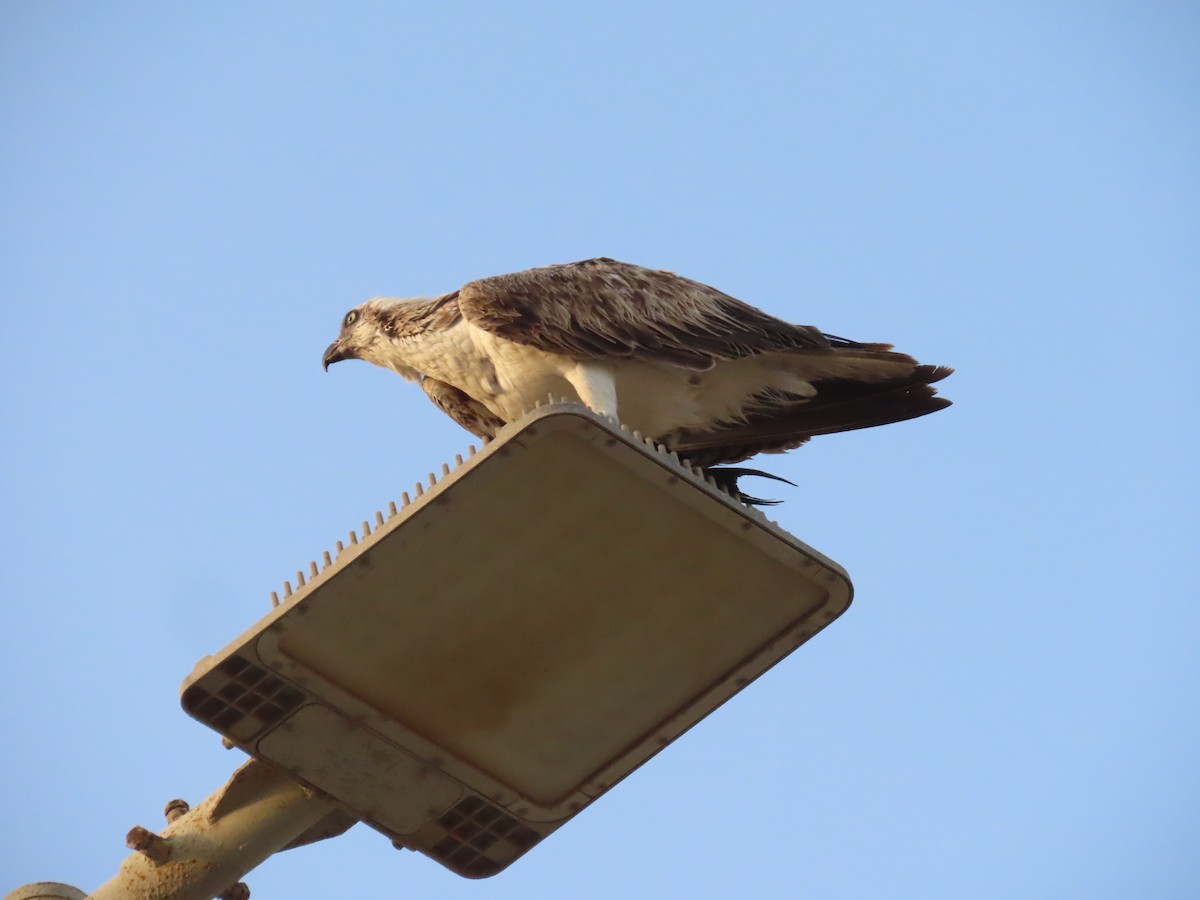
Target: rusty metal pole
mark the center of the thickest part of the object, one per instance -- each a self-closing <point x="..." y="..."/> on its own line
<point x="203" y="853"/>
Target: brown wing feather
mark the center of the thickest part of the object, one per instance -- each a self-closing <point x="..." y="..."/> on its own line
<point x="783" y="423"/>
<point x="463" y="409"/>
<point x="602" y="308"/>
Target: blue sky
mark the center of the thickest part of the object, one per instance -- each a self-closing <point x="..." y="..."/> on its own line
<point x="193" y="196"/>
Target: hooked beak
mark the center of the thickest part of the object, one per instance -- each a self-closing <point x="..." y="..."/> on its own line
<point x="335" y="353"/>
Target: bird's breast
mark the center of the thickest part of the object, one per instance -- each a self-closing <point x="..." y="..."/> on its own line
<point x="510" y="378"/>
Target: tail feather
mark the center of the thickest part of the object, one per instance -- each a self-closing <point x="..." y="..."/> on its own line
<point x="784" y="424"/>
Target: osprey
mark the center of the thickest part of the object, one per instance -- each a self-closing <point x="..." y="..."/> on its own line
<point x="711" y="377"/>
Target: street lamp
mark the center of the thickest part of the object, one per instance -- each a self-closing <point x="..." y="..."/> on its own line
<point x="505" y="645"/>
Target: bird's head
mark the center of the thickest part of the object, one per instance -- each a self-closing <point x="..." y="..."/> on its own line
<point x="360" y="334"/>
<point x="389" y="332"/>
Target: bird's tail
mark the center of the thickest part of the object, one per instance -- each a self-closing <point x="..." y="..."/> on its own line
<point x="783" y="423"/>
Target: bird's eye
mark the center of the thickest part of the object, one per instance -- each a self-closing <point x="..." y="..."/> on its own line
<point x="351" y="317"/>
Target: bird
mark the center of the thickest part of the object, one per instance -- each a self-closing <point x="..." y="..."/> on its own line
<point x="710" y="377"/>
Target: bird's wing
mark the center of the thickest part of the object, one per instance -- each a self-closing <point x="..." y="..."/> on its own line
<point x="780" y="424"/>
<point x="463" y="409"/>
<point x="602" y="308"/>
